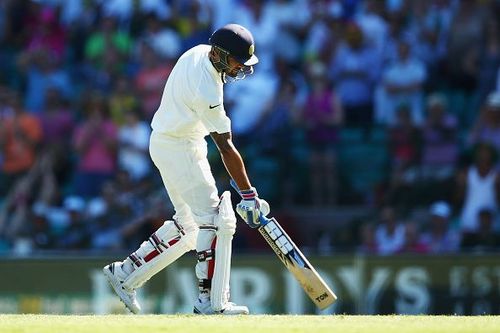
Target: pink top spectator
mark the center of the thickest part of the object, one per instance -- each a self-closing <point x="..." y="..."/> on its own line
<point x="97" y="155"/>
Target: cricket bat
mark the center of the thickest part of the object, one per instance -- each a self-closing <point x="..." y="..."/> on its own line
<point x="293" y="259"/>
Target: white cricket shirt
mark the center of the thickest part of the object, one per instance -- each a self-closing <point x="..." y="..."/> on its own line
<point x="192" y="100"/>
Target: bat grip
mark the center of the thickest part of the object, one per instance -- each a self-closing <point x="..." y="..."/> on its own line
<point x="263" y="220"/>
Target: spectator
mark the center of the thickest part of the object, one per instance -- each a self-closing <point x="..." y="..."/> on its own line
<point x="133" y="146"/>
<point x="43" y="71"/>
<point x="122" y="100"/>
<point x="106" y="56"/>
<point x="191" y="19"/>
<point x="489" y="59"/>
<point x="487" y="126"/>
<point x="375" y="28"/>
<point x="164" y="41"/>
<point x="57" y="120"/>
<point x="246" y="110"/>
<point x="412" y="240"/>
<point x="486" y="238"/>
<point x="462" y="60"/>
<point x="257" y="17"/>
<point x="110" y="214"/>
<point x="401" y="83"/>
<point x="37" y="186"/>
<point x="15" y="211"/>
<point x="464" y="41"/>
<point x="48" y="35"/>
<point x="324" y="31"/>
<point x="95" y="141"/>
<point x="108" y="45"/>
<point x="150" y="80"/>
<point x="278" y="121"/>
<point x="321" y="116"/>
<point x="404" y="146"/>
<point x="292" y="17"/>
<point x="20" y="135"/>
<point x="76" y="235"/>
<point x="354" y="69"/>
<point x="440" y="147"/>
<point x="440" y="238"/>
<point x="368" y="241"/>
<point x="389" y="234"/>
<point x="429" y="26"/>
<point x="58" y="123"/>
<point x="478" y="187"/>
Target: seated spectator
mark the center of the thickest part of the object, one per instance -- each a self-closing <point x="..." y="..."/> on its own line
<point x="412" y="240"/>
<point x="487" y="126"/>
<point x="477" y="187"/>
<point x="439" y="140"/>
<point x="440" y="238"/>
<point x="485" y="238"/>
<point x="95" y="141"/>
<point x="389" y="234"/>
<point x="20" y="136"/>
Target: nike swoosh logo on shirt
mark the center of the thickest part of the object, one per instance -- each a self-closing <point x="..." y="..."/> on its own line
<point x="213" y="106"/>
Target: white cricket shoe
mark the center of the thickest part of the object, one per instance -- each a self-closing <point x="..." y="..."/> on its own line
<point x="115" y="275"/>
<point x="205" y="308"/>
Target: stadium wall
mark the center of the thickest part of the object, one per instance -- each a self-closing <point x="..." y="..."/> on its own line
<point x="457" y="284"/>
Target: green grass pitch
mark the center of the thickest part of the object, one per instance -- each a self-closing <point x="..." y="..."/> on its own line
<point x="246" y="324"/>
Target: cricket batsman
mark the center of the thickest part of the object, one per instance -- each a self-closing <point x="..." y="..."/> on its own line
<point x="191" y="108"/>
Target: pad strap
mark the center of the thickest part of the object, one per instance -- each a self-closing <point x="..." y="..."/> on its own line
<point x="206" y="255"/>
<point x="204" y="284"/>
<point x="158" y="247"/>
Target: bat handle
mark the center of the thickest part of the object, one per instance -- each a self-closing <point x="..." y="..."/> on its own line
<point x="263" y="220"/>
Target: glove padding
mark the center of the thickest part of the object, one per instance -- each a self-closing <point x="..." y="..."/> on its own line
<point x="251" y="207"/>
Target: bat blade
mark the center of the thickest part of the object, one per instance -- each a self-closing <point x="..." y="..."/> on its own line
<point x="293" y="259"/>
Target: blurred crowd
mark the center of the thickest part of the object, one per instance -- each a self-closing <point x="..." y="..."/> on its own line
<point x="389" y="105"/>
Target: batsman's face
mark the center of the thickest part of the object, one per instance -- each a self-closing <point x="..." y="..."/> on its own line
<point x="234" y="67"/>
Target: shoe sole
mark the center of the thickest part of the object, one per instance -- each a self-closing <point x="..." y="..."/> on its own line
<point x="198" y="312"/>
<point x="118" y="289"/>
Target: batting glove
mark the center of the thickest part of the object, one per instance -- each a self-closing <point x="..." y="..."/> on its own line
<point x="251" y="207"/>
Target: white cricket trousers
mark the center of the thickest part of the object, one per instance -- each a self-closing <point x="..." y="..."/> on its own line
<point x="189" y="182"/>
